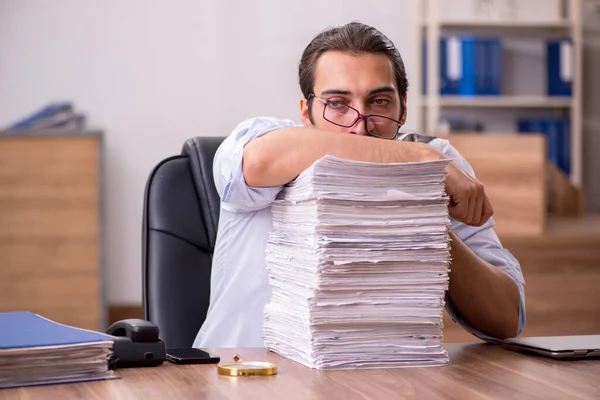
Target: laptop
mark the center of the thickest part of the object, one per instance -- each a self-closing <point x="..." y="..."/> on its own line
<point x="582" y="346"/>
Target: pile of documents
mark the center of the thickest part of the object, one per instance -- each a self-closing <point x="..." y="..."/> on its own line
<point x="358" y="262"/>
<point x="54" y="116"/>
<point x="36" y="351"/>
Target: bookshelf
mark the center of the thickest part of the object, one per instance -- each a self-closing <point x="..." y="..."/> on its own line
<point x="435" y="21"/>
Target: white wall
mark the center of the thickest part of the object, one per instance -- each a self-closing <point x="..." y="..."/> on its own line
<point x="151" y="74"/>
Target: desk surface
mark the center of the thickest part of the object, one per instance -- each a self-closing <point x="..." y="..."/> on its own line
<point x="475" y="371"/>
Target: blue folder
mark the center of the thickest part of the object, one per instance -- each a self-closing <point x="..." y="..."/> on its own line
<point x="39" y="115"/>
<point x="559" y="82"/>
<point x="480" y="61"/>
<point x="24" y="329"/>
<point x="558" y="138"/>
<point x="481" y="66"/>
<point x="447" y="86"/>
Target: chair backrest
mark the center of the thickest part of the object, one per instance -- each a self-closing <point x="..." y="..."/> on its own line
<point x="181" y="214"/>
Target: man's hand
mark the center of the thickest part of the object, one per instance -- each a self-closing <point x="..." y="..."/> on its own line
<point x="468" y="202"/>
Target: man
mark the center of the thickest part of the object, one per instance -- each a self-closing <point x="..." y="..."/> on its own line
<point x="354" y="86"/>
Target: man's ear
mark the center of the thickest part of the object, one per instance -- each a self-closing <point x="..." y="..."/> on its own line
<point x="304" y="113"/>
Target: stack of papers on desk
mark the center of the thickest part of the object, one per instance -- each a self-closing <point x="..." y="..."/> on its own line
<point x="35" y="351"/>
<point x="358" y="261"/>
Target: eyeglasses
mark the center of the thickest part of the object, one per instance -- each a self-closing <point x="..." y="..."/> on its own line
<point x="343" y="115"/>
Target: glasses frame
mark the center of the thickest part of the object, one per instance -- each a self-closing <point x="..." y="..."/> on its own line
<point x="360" y="116"/>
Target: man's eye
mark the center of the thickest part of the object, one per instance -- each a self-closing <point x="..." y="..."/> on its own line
<point x="335" y="104"/>
<point x="381" y="102"/>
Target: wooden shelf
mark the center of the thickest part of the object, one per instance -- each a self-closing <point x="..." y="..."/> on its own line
<point x="503" y="101"/>
<point x="526" y="25"/>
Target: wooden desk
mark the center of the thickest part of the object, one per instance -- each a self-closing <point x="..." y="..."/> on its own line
<point x="476" y="371"/>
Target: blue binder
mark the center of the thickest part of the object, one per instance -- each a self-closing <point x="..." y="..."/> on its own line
<point x="558" y="138"/>
<point x="45" y="112"/>
<point x="480" y="63"/>
<point x="447" y="86"/>
<point x="564" y="126"/>
<point x="482" y="66"/>
<point x="493" y="66"/>
<point x="559" y="78"/>
<point x="469" y="82"/>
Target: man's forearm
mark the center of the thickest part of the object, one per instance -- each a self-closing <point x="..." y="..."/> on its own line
<point x="280" y="156"/>
<point x="486" y="297"/>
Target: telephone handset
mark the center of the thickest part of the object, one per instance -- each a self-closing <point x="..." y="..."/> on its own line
<point x="136" y="344"/>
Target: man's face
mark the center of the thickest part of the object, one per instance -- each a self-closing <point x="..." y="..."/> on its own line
<point x="365" y="82"/>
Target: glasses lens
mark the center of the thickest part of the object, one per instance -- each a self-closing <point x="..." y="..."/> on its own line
<point x="382" y="127"/>
<point x="340" y="114"/>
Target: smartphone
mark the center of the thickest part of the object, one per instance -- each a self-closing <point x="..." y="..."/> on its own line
<point x="191" y="356"/>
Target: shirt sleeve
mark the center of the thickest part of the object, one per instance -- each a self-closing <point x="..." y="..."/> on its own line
<point x="236" y="195"/>
<point x="484" y="242"/>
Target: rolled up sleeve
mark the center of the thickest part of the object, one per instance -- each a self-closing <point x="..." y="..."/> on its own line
<point x="236" y="195"/>
<point x="484" y="242"/>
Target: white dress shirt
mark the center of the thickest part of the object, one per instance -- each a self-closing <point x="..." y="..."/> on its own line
<point x="239" y="282"/>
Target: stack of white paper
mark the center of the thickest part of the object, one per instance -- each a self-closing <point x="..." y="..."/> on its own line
<point x="358" y="261"/>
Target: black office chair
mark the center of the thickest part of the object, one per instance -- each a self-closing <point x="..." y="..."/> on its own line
<point x="181" y="214"/>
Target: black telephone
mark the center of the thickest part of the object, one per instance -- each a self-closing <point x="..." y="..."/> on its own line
<point x="136" y="344"/>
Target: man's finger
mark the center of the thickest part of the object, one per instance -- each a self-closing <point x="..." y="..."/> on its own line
<point x="459" y="210"/>
<point x="478" y="216"/>
<point x="487" y="212"/>
<point x="471" y="210"/>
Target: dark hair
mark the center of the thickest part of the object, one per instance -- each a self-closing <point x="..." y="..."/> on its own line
<point x="354" y="38"/>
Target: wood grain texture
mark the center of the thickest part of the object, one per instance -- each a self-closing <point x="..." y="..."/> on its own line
<point x="49" y="236"/>
<point x="564" y="198"/>
<point x="512" y="170"/>
<point x="475" y="371"/>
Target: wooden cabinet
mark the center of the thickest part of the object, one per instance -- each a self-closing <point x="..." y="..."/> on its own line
<point x="50" y="227"/>
<point x="512" y="168"/>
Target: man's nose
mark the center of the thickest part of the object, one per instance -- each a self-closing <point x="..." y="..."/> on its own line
<point x="359" y="127"/>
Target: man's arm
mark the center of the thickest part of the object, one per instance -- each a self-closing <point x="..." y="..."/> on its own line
<point x="280" y="156"/>
<point x="487" y="290"/>
<point x="486" y="297"/>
